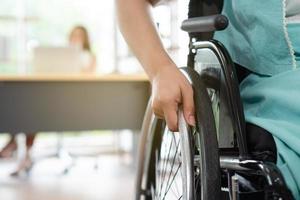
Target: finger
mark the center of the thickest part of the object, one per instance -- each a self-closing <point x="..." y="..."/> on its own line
<point x="188" y="104"/>
<point x="156" y="107"/>
<point x="159" y="114"/>
<point x="170" y="113"/>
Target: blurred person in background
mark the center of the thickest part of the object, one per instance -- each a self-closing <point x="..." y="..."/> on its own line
<point x="78" y="38"/>
<point x="11" y="147"/>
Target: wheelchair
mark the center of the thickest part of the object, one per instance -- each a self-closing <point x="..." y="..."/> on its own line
<point x="210" y="161"/>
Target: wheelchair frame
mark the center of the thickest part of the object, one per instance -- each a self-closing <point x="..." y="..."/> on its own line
<point x="234" y="160"/>
<point x="242" y="162"/>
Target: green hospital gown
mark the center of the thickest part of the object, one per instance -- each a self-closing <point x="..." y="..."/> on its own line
<point x="273" y="102"/>
<point x="261" y="36"/>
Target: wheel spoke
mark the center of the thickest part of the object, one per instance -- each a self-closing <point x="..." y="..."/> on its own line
<point x="161" y="170"/>
<point x="169" y="178"/>
<point x="164" y="170"/>
<point x="170" y="174"/>
<point x="172" y="180"/>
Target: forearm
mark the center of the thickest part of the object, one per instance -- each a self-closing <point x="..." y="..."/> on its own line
<point x="140" y="33"/>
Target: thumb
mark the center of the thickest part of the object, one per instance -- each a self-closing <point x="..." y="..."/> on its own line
<point x="188" y="105"/>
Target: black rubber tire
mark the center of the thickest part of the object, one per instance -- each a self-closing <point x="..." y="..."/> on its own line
<point x="209" y="149"/>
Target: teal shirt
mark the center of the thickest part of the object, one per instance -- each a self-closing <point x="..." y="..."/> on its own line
<point x="273" y="103"/>
<point x="256" y="29"/>
<point x="259" y="39"/>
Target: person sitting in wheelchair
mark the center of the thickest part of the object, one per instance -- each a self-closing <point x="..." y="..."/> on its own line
<point x="263" y="39"/>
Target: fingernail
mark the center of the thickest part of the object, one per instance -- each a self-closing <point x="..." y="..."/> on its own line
<point x="192" y="120"/>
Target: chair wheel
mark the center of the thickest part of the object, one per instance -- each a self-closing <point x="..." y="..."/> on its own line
<point x="184" y="164"/>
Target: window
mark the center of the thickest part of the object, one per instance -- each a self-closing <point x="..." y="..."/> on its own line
<point x="25" y="24"/>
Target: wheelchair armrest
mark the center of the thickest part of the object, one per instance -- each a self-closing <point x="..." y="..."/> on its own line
<point x="205" y="24"/>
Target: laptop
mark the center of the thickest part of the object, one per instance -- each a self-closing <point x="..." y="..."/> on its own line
<point x="57" y="60"/>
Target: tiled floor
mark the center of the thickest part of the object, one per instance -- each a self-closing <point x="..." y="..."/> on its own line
<point x="113" y="180"/>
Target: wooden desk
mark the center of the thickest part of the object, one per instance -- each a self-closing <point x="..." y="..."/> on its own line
<point x="33" y="103"/>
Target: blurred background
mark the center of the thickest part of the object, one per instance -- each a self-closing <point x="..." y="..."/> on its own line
<point x="72" y="164"/>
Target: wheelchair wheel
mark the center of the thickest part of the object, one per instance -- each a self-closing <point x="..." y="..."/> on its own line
<point x="185" y="164"/>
